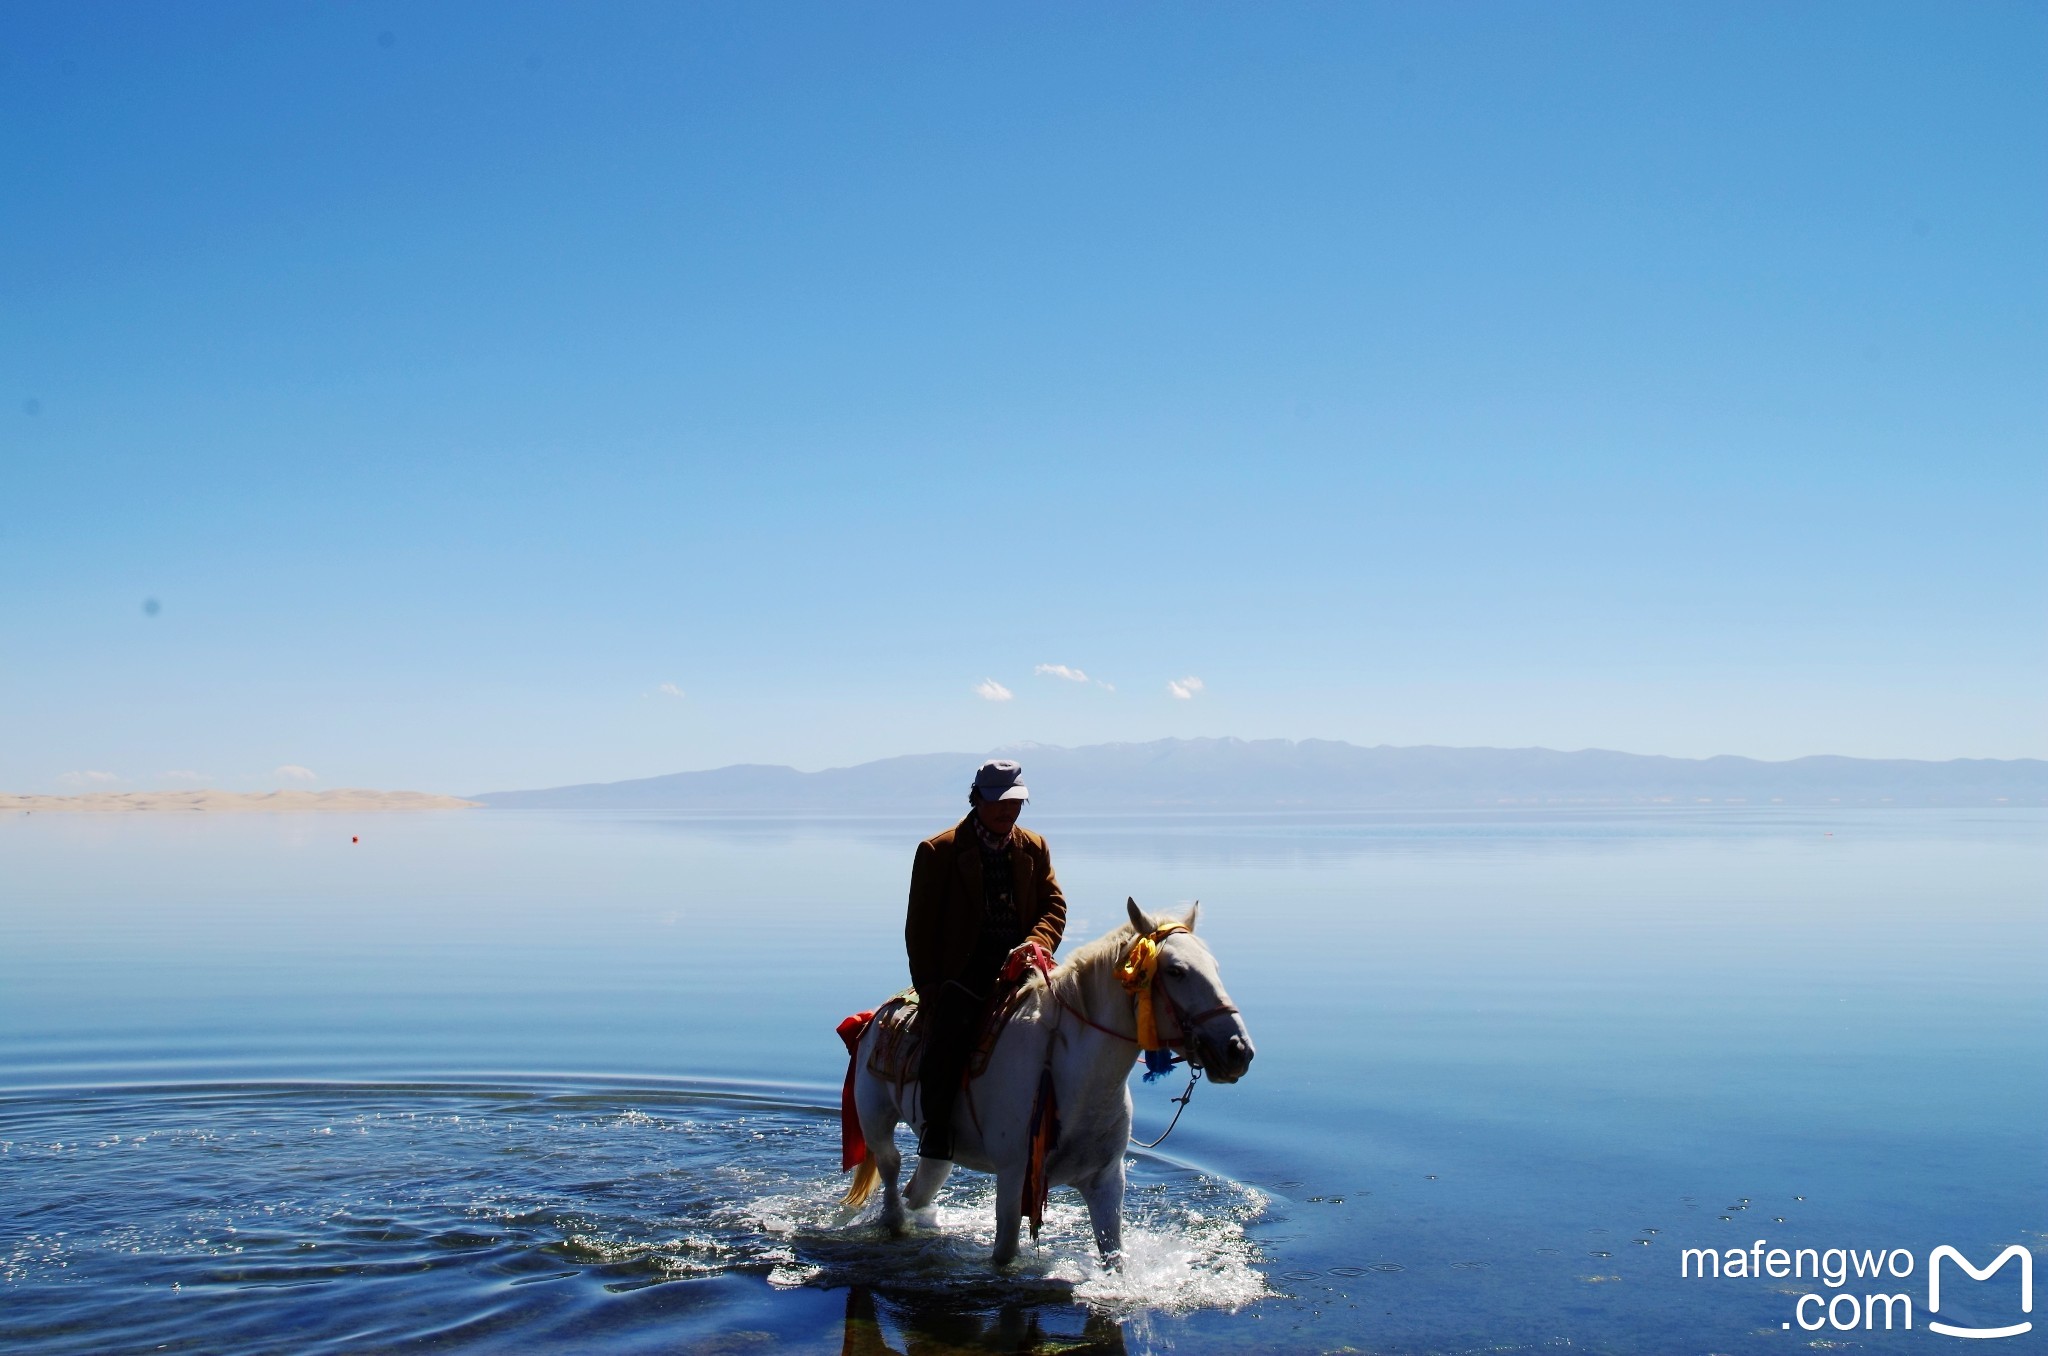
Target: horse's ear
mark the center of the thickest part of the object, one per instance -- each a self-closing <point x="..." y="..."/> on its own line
<point x="1138" y="918"/>
<point x="1189" y="921"/>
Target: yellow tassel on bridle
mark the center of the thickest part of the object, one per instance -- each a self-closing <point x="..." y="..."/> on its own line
<point x="1136" y="973"/>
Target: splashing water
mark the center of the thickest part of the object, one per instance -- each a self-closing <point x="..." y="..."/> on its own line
<point x="385" y="1214"/>
<point x="1184" y="1246"/>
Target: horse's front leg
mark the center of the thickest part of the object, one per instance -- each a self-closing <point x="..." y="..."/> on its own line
<point x="1104" y="1193"/>
<point x="931" y="1174"/>
<point x="1009" y="1214"/>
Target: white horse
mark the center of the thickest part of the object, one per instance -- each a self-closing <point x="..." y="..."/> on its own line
<point x="1082" y="1025"/>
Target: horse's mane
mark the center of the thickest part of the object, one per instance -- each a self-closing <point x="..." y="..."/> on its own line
<point x="1086" y="979"/>
<point x="1108" y="947"/>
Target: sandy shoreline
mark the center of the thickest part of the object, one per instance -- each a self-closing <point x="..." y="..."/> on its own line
<point x="349" y="799"/>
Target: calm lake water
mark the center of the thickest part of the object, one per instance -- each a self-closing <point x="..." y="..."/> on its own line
<point x="520" y="1081"/>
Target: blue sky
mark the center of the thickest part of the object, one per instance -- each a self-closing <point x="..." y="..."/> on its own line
<point x="1665" y="378"/>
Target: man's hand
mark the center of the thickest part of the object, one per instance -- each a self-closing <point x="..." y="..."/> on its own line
<point x="1026" y="956"/>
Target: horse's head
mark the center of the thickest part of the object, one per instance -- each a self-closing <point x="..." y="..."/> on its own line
<point x="1212" y="1029"/>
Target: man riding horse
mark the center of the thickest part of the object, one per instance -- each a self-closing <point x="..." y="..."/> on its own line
<point x="980" y="891"/>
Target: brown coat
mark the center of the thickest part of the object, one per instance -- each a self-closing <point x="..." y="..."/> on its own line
<point x="946" y="901"/>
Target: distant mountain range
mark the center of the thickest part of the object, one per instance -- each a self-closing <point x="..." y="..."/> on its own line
<point x="341" y="800"/>
<point x="1280" y="774"/>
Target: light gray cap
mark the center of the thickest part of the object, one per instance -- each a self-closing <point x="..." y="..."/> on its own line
<point x="1001" y="779"/>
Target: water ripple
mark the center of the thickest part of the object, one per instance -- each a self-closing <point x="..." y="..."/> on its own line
<point x="449" y="1212"/>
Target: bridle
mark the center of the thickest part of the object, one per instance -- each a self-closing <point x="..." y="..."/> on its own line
<point x="1138" y="973"/>
<point x="1188" y="1023"/>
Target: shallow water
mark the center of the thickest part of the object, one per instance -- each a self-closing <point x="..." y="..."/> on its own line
<point x="527" y="1081"/>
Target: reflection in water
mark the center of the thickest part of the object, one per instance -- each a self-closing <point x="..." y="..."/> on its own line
<point x="926" y="1326"/>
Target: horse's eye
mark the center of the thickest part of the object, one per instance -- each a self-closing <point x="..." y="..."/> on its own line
<point x="1177" y="970"/>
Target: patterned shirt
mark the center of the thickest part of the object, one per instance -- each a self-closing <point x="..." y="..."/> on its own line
<point x="1000" y="930"/>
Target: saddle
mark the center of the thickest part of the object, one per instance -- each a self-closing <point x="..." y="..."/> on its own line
<point x="899" y="1034"/>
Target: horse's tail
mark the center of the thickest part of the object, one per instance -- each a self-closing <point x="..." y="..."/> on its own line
<point x="865" y="1177"/>
<point x="853" y="1147"/>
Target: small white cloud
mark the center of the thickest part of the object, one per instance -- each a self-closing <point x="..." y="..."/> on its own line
<point x="292" y="772"/>
<point x="989" y="690"/>
<point x="669" y="690"/>
<point x="1060" y="671"/>
<point x="1183" y="689"/>
<point x="182" y="776"/>
<point x="1106" y="687"/>
<point x="89" y="778"/>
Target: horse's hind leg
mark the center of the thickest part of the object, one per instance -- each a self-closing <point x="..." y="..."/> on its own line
<point x="876" y="1104"/>
<point x="889" y="1162"/>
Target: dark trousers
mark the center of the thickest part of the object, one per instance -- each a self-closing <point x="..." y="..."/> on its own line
<point x="951" y="1019"/>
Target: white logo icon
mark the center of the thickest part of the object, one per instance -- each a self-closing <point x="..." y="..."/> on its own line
<point x="1934" y="1289"/>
